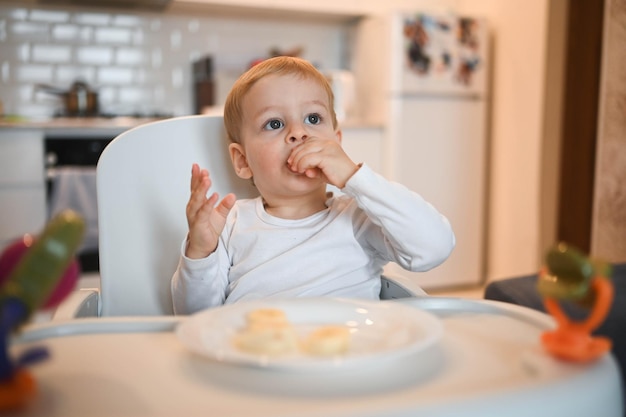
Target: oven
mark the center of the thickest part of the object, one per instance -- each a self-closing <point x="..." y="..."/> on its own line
<point x="71" y="161"/>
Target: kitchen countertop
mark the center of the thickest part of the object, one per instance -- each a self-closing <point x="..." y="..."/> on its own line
<point x="77" y="126"/>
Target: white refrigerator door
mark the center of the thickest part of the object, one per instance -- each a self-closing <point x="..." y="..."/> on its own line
<point x="439" y="150"/>
<point x="439" y="55"/>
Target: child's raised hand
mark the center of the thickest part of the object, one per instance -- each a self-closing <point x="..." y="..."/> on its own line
<point x="206" y="220"/>
<point x="316" y="157"/>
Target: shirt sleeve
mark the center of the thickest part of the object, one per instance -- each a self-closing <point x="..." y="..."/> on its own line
<point x="414" y="234"/>
<point x="198" y="284"/>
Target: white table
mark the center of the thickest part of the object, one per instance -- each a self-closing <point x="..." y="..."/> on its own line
<point x="488" y="363"/>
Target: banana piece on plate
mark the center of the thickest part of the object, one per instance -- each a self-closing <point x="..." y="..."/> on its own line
<point x="328" y="341"/>
<point x="267" y="318"/>
<point x="267" y="332"/>
<point x="267" y="341"/>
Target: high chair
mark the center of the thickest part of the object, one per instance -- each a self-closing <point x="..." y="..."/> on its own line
<point x="143" y="180"/>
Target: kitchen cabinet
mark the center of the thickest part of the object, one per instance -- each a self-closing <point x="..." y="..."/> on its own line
<point x="22" y="183"/>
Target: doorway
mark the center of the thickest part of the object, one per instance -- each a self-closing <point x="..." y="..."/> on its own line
<point x="582" y="69"/>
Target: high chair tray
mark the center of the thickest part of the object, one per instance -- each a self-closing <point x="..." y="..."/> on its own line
<point x="488" y="362"/>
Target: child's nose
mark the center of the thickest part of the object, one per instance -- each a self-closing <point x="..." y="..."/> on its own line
<point x="299" y="135"/>
<point x="294" y="139"/>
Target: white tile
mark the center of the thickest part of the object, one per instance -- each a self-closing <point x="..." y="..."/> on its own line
<point x="97" y="19"/>
<point x="18" y="14"/>
<point x="65" y="74"/>
<point x="94" y="55"/>
<point x="113" y="35"/>
<point x="86" y="34"/>
<point x="51" y="16"/>
<point x="34" y="73"/>
<point x="29" y="30"/>
<point x="113" y="75"/>
<point x="23" y="52"/>
<point x="51" y="53"/>
<point x="107" y="94"/>
<point x="134" y="95"/>
<point x="34" y="110"/>
<point x="130" y="56"/>
<point x="65" y="32"/>
<point x="126" y="20"/>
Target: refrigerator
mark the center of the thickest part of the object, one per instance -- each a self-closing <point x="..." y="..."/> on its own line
<point x="437" y="115"/>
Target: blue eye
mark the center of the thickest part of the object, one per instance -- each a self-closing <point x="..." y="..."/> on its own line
<point x="313" y="119"/>
<point x="273" y="124"/>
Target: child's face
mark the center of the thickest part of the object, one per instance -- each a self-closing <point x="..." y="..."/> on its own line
<point x="279" y="113"/>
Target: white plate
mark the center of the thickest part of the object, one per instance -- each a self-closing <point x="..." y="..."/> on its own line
<point x="379" y="331"/>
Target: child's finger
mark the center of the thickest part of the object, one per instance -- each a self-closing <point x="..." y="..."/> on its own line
<point x="296" y="158"/>
<point x="202" y="186"/>
<point x="226" y="204"/>
<point x="212" y="200"/>
<point x="308" y="160"/>
<point x="203" y="213"/>
<point x="302" y="149"/>
<point x="308" y="154"/>
<point x="195" y="169"/>
<point x="197" y="198"/>
<point x="197" y="176"/>
<point x="313" y="172"/>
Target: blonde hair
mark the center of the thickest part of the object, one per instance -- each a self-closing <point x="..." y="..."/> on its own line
<point x="282" y="65"/>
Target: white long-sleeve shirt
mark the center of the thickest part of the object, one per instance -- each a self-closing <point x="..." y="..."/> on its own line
<point x="340" y="251"/>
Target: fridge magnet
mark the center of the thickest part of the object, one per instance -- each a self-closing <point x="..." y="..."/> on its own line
<point x="445" y="52"/>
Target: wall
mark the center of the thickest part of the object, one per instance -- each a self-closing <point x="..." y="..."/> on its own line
<point x="518" y="85"/>
<point x="140" y="62"/>
<point x="609" y="214"/>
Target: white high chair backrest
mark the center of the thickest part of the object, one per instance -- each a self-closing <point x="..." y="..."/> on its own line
<point x="143" y="179"/>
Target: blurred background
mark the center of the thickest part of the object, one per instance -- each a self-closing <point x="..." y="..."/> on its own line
<point x="532" y="153"/>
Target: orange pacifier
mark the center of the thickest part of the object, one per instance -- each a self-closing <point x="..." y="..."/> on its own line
<point x="569" y="276"/>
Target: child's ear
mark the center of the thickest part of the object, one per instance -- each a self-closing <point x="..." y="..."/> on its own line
<point x="339" y="135"/>
<point x="240" y="163"/>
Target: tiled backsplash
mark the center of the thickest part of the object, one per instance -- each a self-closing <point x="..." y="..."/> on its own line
<point x="141" y="62"/>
